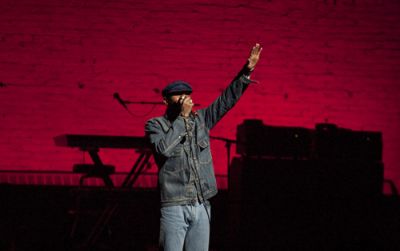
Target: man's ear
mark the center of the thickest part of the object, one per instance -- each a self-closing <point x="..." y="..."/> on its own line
<point x="165" y="101"/>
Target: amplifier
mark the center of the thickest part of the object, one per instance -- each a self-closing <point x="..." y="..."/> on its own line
<point x="339" y="143"/>
<point x="326" y="141"/>
<point x="256" y="139"/>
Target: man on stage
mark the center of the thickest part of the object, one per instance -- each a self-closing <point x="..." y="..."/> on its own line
<point x="181" y="147"/>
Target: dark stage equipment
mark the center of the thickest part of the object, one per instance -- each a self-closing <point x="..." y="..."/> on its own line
<point x="296" y="188"/>
<point x="92" y="144"/>
<point x="326" y="141"/>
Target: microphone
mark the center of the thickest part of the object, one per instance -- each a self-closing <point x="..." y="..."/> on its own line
<point x="119" y="99"/>
<point x="193" y="111"/>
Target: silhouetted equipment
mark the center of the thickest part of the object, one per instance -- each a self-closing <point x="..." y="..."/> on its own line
<point x="101" y="141"/>
<point x="340" y="143"/>
<point x="292" y="176"/>
<point x="92" y="144"/>
<point x="320" y="203"/>
<point x="254" y="139"/>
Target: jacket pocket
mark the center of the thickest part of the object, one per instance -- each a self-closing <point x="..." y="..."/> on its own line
<point x="204" y="151"/>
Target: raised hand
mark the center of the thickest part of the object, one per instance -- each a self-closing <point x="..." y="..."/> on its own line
<point x="254" y="56"/>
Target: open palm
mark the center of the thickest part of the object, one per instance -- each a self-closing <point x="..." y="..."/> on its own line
<point x="254" y="56"/>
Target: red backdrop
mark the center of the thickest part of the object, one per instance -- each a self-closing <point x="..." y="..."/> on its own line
<point x="61" y="62"/>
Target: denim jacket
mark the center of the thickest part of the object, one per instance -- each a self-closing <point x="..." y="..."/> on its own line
<point x="185" y="166"/>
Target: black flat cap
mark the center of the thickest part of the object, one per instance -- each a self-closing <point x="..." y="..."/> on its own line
<point x="176" y="87"/>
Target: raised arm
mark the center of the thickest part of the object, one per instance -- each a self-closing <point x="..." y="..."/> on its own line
<point x="214" y="112"/>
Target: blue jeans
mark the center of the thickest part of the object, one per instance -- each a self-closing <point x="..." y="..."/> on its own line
<point x="186" y="226"/>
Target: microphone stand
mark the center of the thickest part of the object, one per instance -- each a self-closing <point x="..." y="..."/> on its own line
<point x="143" y="102"/>
<point x="128" y="102"/>
<point x="228" y="143"/>
<point x="124" y="103"/>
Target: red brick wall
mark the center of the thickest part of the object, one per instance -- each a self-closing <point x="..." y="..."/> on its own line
<point x="61" y="62"/>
